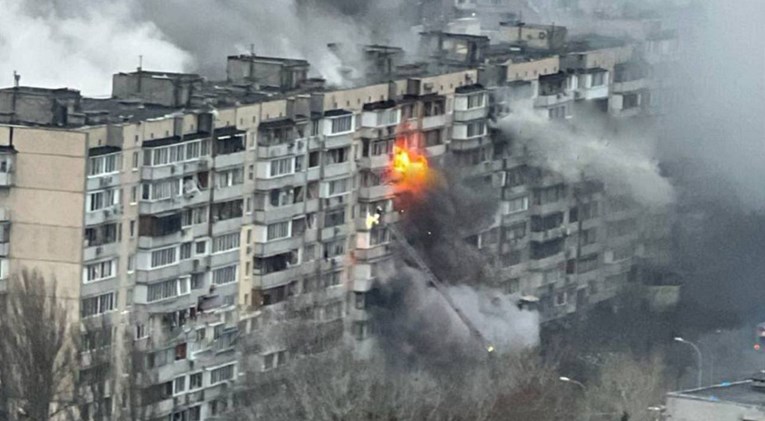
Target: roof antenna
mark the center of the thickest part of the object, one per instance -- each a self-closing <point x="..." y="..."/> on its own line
<point x="16" y="79"/>
<point x="252" y="50"/>
<point x="140" y="63"/>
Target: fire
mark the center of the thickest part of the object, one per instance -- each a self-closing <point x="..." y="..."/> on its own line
<point x="408" y="165"/>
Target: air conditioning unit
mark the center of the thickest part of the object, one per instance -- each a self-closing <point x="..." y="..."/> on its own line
<point x="172" y="169"/>
<point x="204" y="164"/>
<point x="99" y="250"/>
<point x="107" y="213"/>
<point x="300" y="144"/>
<point x="105" y="181"/>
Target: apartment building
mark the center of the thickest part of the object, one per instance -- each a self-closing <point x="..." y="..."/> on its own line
<point x="221" y="229"/>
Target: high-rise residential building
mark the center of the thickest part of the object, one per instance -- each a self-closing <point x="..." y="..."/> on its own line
<point x="188" y="218"/>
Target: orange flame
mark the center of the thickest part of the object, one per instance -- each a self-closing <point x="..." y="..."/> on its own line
<point x="408" y="165"/>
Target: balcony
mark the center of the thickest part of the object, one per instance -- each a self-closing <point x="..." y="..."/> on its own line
<point x="435" y="150"/>
<point x="101" y="251"/>
<point x="230" y="160"/>
<point x="546" y="101"/>
<point x="374" y="161"/>
<point x="173" y="170"/>
<point x="595" y="92"/>
<point x="6" y="179"/>
<point x="274" y="247"/>
<point x="297" y="178"/>
<point x="274" y="214"/>
<point x="373" y="253"/>
<point x="372" y="193"/>
<point x="549" y="234"/>
<point x="175" y="203"/>
<point x="5" y="214"/>
<point x="547" y="208"/>
<point x="546" y="263"/>
<point x="467" y="144"/>
<point x="102" y="215"/>
<point x="336" y="170"/>
<point x="276" y="279"/>
<point x="629" y="86"/>
<point x="334" y="232"/>
<point x="282" y="149"/>
<point x="472" y="114"/>
<point x="338" y="141"/>
<point x="101" y="182"/>
<point x="228" y="193"/>
<point x="435" y="121"/>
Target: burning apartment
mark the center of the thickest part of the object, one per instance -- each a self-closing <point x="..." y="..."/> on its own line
<point x="193" y="217"/>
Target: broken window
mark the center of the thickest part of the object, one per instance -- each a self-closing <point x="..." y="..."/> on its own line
<point x="546" y="249"/>
<point x="336" y="156"/>
<point x="547" y="222"/>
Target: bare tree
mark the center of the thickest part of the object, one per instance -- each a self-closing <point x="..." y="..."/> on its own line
<point x="37" y="353"/>
<point x="626" y="385"/>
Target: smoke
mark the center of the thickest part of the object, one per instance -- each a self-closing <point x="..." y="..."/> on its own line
<point x="415" y="322"/>
<point x="87" y="41"/>
<point x="79" y="47"/>
<point x="586" y="148"/>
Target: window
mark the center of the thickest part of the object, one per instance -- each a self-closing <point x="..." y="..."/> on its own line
<point x="103" y="199"/>
<point x="510" y="259"/>
<point x="93" y="306"/>
<point x="281" y="166"/>
<point x="549" y="195"/>
<point x="104" y="164"/>
<point x="197" y="280"/>
<point x="193" y="216"/>
<point x="221" y="374"/>
<point x="186" y="251"/>
<point x="598" y="79"/>
<point x="342" y="124"/>
<point x="557" y="113"/>
<point x="201" y="248"/>
<point x="519" y="204"/>
<point x="274" y="359"/>
<point x="229" y="178"/>
<point x="546" y="222"/>
<point x="195" y="381"/>
<point x="224" y="275"/>
<point x="334" y="248"/>
<point x="179" y="385"/>
<point x="475" y="101"/>
<point x="587" y="263"/>
<point x="378" y="236"/>
<point x="176" y="153"/>
<point x="476" y="128"/>
<point x="131" y="263"/>
<point x="336" y="156"/>
<point x="278" y="230"/>
<point x="167" y="289"/>
<point x="180" y="352"/>
<point x="337" y="187"/>
<point x="161" y="190"/>
<point x="334" y="217"/>
<point x="589" y="236"/>
<point x="163" y="257"/>
<point x="560" y="298"/>
<point x="100" y="270"/>
<point x="225" y="242"/>
<point x="515" y="232"/>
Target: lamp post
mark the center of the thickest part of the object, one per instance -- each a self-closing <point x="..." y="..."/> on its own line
<point x="570" y="380"/>
<point x="698" y="355"/>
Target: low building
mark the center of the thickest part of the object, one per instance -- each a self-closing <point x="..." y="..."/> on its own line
<point x="737" y="401"/>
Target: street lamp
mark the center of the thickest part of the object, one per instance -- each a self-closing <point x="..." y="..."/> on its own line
<point x="698" y="355"/>
<point x="570" y="380"/>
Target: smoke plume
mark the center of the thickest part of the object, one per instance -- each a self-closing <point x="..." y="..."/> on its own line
<point x="80" y="43"/>
<point x="415" y="322"/>
<point x="586" y="148"/>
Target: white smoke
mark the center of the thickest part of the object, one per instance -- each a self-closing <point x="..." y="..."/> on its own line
<point x="81" y="43"/>
<point x="497" y="316"/>
<point x="584" y="150"/>
<point x="82" y="50"/>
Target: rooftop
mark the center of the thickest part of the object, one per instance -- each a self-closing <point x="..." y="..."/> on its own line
<point x="286" y="61"/>
<point x="737" y="392"/>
